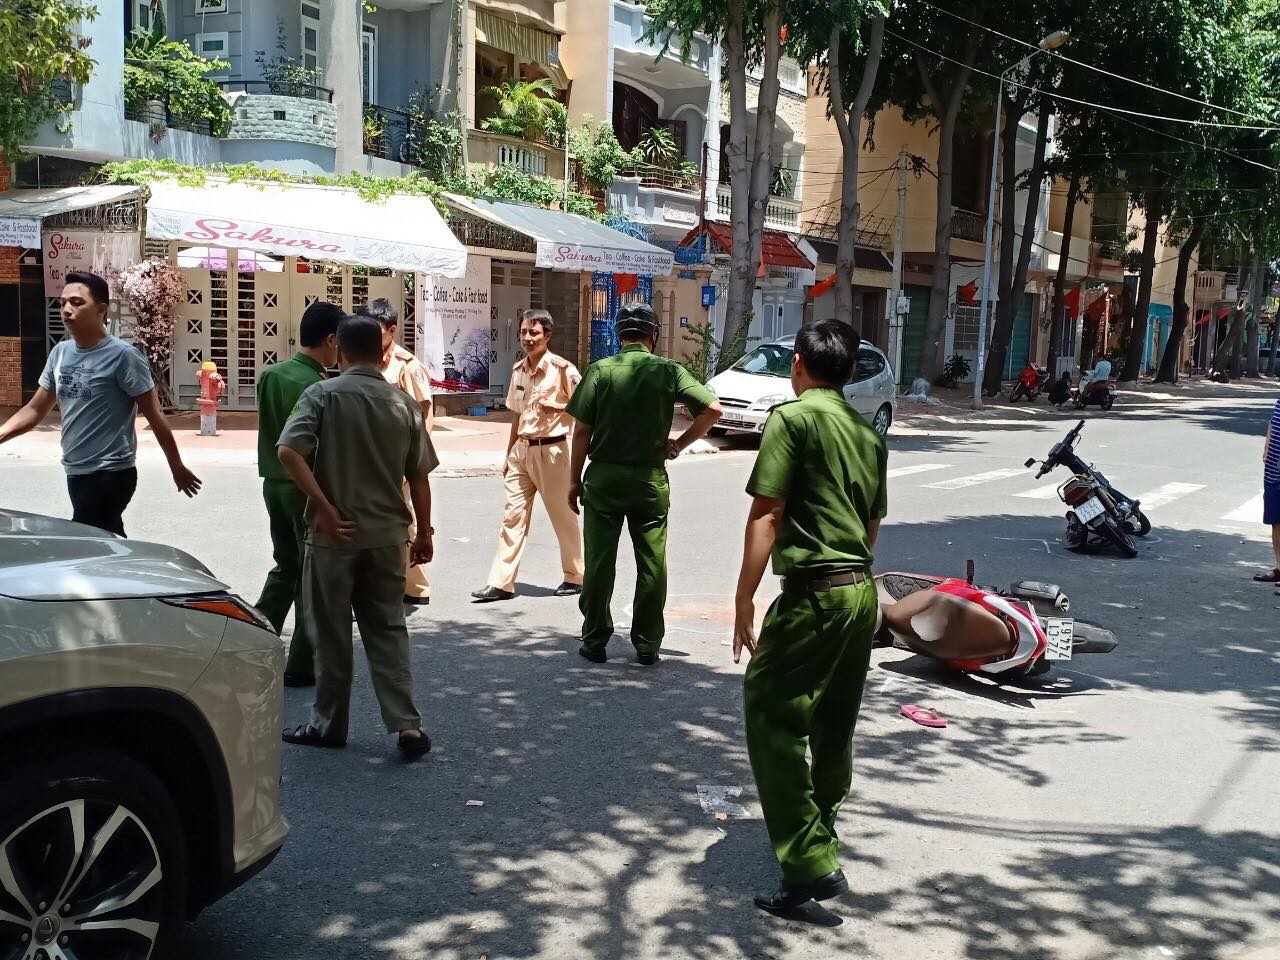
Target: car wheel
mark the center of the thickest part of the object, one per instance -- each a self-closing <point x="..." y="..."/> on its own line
<point x="882" y="420"/>
<point x="91" y="860"/>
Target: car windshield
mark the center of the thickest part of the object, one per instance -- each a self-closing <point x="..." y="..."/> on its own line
<point x="770" y="359"/>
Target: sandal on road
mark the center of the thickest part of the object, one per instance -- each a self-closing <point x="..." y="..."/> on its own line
<point x="924" y="716"/>
<point x="1272" y="577"/>
<point x="308" y="736"/>
<point x="413" y="744"/>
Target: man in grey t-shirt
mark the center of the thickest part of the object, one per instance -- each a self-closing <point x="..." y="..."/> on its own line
<point x="99" y="383"/>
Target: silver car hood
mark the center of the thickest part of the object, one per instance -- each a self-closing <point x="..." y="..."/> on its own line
<point x="42" y="558"/>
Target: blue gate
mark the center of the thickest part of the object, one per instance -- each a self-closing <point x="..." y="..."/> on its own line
<point x="605" y="302"/>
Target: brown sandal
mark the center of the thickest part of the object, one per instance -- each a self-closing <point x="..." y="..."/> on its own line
<point x="1272" y="577"/>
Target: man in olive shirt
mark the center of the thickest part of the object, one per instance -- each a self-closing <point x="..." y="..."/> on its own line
<point x="350" y="445"/>
<point x="623" y="409"/>
<point x="279" y="387"/>
<point x="818" y="492"/>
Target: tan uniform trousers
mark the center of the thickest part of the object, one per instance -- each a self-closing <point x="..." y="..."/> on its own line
<point x="544" y="469"/>
<point x="416" y="585"/>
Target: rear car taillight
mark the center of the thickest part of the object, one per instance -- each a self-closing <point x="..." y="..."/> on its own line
<point x="223" y="605"/>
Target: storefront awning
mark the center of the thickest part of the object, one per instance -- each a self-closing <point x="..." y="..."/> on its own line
<point x="776" y="248"/>
<point x="526" y="41"/>
<point x="403" y="232"/>
<point x="570" y="242"/>
<point x="22" y="210"/>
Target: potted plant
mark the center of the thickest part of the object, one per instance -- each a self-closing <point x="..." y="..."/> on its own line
<point x="375" y="128"/>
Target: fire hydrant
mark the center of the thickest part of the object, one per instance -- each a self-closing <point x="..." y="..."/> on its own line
<point x="212" y="387"/>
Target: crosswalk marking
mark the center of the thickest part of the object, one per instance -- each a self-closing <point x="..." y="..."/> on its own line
<point x="955" y="483"/>
<point x="915" y="468"/>
<point x="1047" y="492"/>
<point x="1251" y="512"/>
<point x="1167" y="494"/>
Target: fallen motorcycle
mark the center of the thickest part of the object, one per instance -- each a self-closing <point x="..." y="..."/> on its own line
<point x="1031" y="381"/>
<point x="1014" y="634"/>
<point x="1098" y="514"/>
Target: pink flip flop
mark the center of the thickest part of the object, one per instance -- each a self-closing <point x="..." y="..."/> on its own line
<point x="924" y="716"/>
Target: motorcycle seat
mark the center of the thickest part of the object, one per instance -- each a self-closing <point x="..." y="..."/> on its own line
<point x="948" y="627"/>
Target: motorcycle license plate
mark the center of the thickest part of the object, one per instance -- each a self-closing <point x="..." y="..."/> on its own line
<point x="1061" y="632"/>
<point x="1091" y="509"/>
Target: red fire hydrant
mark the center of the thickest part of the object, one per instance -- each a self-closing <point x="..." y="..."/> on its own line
<point x="212" y="387"/>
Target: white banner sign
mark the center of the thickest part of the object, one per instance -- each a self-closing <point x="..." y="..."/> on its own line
<point x="66" y="251"/>
<point x="453" y="328"/>
<point x="572" y="256"/>
<point x="20" y="232"/>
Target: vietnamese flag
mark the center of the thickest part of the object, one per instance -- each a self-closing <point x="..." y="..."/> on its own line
<point x="968" y="293"/>
<point x="624" y="283"/>
<point x="1072" y="301"/>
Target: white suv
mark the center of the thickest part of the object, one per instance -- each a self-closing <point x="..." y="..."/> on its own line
<point x="140" y="717"/>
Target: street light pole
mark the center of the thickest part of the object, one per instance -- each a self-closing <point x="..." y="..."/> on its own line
<point x="1051" y="42"/>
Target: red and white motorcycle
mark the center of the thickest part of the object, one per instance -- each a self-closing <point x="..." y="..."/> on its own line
<point x="1004" y="634"/>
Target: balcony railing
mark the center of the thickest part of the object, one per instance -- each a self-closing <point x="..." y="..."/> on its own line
<point x="1111" y="238"/>
<point x="142" y="112"/>
<point x="661" y="178"/>
<point x="791" y="76"/>
<point x="779" y="213"/>
<point x="386" y="133"/>
<point x="492" y="150"/>
<point x="277" y="88"/>
<point x="1210" y="285"/>
<point x="968" y="225"/>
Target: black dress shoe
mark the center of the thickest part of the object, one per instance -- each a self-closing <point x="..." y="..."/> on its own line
<point x="298" y="680"/>
<point x="417" y="601"/>
<point x="595" y="656"/>
<point x="788" y="899"/>
<point x="490" y="594"/>
<point x="647" y="659"/>
<point x="568" y="589"/>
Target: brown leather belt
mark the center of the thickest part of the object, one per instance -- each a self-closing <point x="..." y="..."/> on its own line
<point x="841" y="578"/>
<point x="543" y="441"/>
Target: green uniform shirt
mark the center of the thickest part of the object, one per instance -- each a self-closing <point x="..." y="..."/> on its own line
<point x="829" y="466"/>
<point x="629" y="400"/>
<point x="279" y="387"/>
<point x="363" y="437"/>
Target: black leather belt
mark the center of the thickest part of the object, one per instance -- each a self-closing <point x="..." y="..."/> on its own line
<point x="543" y="441"/>
<point x="841" y="578"/>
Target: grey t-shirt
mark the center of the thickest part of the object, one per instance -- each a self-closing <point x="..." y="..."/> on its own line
<point x="95" y="390"/>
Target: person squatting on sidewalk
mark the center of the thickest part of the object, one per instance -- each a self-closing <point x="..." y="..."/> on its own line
<point x="538" y="461"/>
<point x="100" y="384"/>
<point x="350" y="446"/>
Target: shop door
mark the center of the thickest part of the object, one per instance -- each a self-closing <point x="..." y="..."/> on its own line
<point x="510" y="289"/>
<point x="913" y="333"/>
<point x="1015" y="357"/>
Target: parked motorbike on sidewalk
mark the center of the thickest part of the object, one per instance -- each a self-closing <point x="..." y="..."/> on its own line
<point x="1098" y="513"/>
<point x="1101" y="392"/>
<point x="1030" y="382"/>
<point x="1011" y="634"/>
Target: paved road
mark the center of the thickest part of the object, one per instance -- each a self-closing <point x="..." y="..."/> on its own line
<point x="1125" y="809"/>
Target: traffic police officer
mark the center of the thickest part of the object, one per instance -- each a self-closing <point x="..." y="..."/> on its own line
<point x="818" y="492"/>
<point x="623" y="409"/>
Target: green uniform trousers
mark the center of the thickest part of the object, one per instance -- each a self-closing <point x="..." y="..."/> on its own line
<point x="612" y="493"/>
<point x="368" y="581"/>
<point x="286" y="506"/>
<point x="802" y="690"/>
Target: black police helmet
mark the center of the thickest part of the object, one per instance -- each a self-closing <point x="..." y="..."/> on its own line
<point x="636" y="319"/>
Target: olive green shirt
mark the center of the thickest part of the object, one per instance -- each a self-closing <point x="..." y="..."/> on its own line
<point x="363" y="437"/>
<point x="279" y="387"/>
<point x="629" y="400"/>
<point x="823" y="459"/>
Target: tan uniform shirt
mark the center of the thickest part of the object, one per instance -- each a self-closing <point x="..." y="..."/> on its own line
<point x="538" y="396"/>
<point x="405" y="370"/>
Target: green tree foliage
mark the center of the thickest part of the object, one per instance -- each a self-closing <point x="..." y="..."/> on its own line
<point x="157" y="68"/>
<point x="527" y="109"/>
<point x="38" y="46"/>
<point x="600" y="157"/>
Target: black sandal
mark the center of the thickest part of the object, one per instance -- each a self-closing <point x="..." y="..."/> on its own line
<point x="308" y="736"/>
<point x="1272" y="577"/>
<point x="413" y="747"/>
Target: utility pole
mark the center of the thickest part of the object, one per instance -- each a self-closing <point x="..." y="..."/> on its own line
<point x="892" y="301"/>
<point x="564" y="202"/>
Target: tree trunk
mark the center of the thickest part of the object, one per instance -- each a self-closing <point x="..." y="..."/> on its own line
<point x="1168" y="372"/>
<point x="742" y="271"/>
<point x="946" y="101"/>
<point x="1008" y="147"/>
<point x="1153" y="203"/>
<point x="849" y="126"/>
<point x="1058" y="321"/>
<point x="1222" y="356"/>
<point x="1275" y="343"/>
<point x="1253" y="348"/>
<point x="1000" y="341"/>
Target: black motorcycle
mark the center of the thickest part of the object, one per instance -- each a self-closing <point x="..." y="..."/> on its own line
<point x="1098" y="513"/>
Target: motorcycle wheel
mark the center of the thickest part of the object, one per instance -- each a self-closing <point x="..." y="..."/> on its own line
<point x="1115" y="534"/>
<point x="1105" y="401"/>
<point x="1031" y="674"/>
<point x="1138" y="524"/>
<point x="1077" y="534"/>
<point x="1016" y="393"/>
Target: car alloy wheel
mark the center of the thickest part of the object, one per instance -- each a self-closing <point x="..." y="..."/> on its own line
<point x="881" y="422"/>
<point x="81" y="880"/>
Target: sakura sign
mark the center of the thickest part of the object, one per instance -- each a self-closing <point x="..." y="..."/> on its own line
<point x="573" y="256"/>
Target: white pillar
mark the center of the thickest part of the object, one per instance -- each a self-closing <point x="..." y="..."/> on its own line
<point x="341" y="65"/>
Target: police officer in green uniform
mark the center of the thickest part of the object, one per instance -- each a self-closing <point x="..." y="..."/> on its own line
<point x="623" y="407"/>
<point x="818" y="492"/>
<point x="279" y="388"/>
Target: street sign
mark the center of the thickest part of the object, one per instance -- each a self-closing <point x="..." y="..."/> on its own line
<point x="709" y="295"/>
